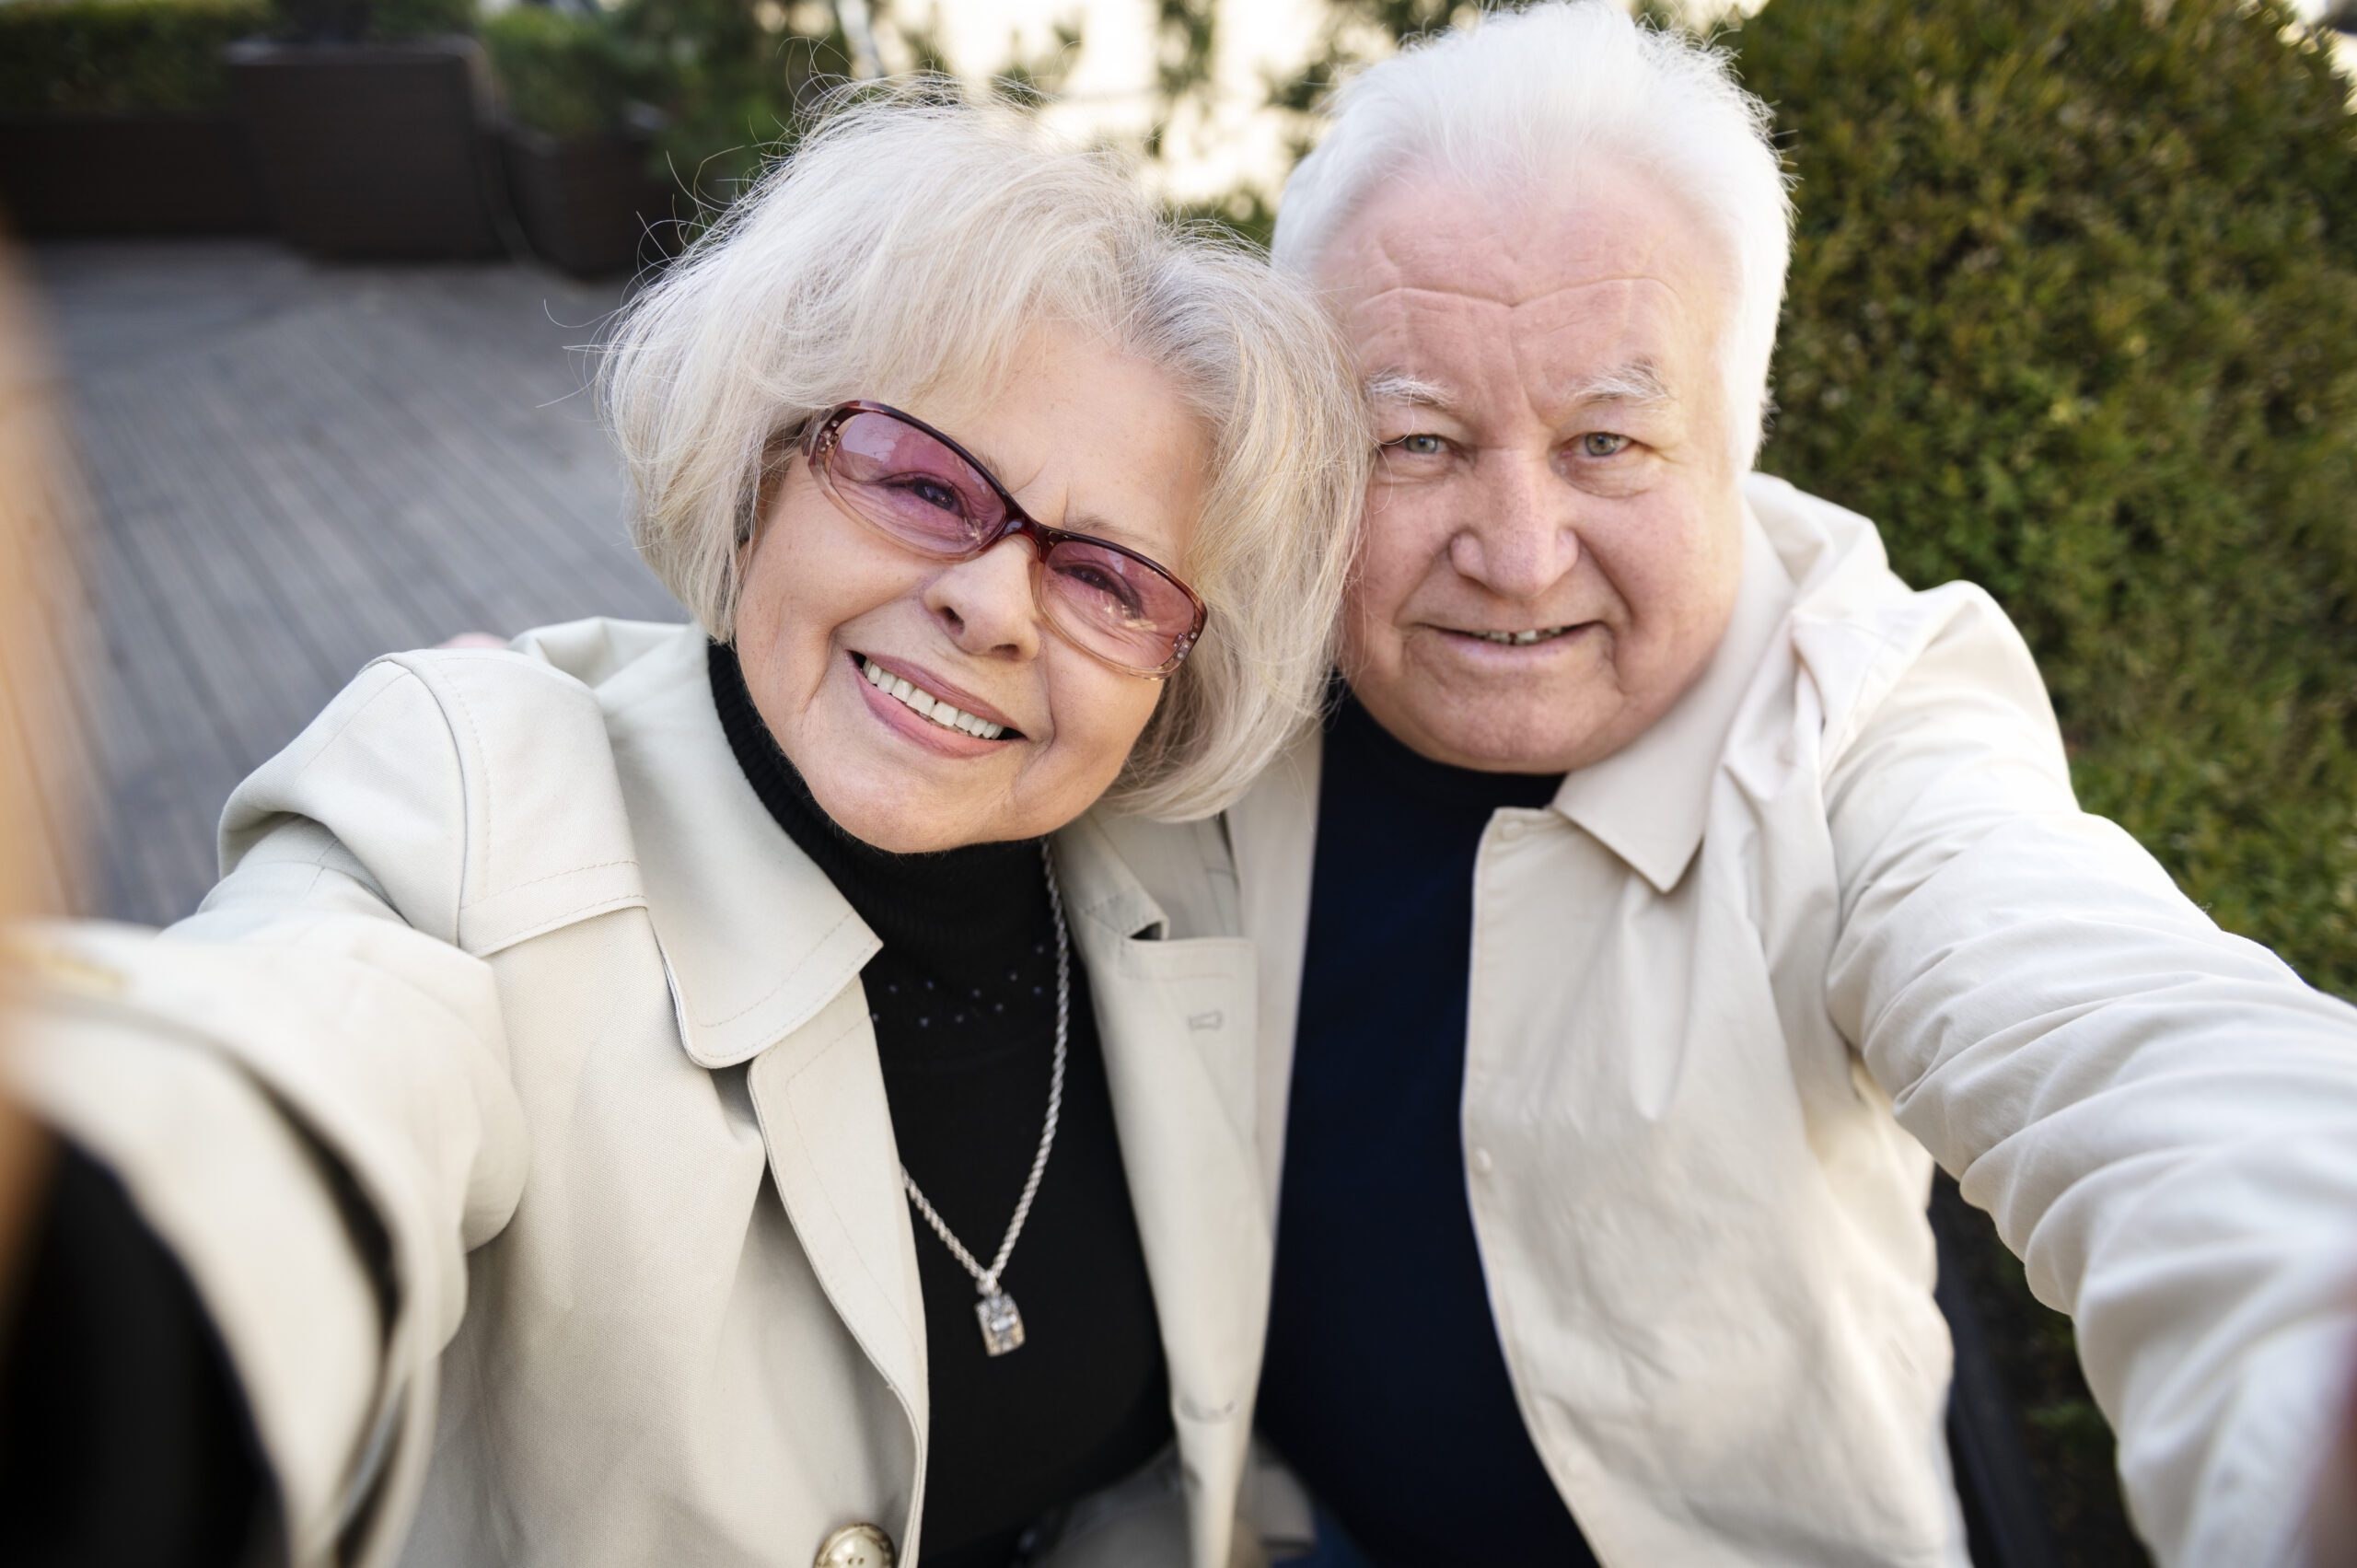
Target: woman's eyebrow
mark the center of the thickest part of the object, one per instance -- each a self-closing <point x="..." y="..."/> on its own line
<point x="1096" y="526"/>
<point x="1075" y="520"/>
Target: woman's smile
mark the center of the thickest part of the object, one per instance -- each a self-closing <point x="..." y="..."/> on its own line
<point x="914" y="703"/>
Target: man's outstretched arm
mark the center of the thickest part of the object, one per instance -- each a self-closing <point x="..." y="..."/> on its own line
<point x="2162" y="1117"/>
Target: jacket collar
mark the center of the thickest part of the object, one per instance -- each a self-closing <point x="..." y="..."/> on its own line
<point x="1647" y="802"/>
<point x="1098" y="885"/>
<point x="758" y="940"/>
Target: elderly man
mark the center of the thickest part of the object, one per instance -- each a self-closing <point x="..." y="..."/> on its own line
<point x="1673" y="886"/>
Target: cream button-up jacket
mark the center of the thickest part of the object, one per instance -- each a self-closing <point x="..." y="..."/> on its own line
<point x="510" y="942"/>
<point x="1838" y="907"/>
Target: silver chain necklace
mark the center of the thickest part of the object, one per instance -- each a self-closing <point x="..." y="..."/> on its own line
<point x="1002" y="1324"/>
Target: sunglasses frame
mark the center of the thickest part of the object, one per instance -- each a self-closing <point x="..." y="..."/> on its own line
<point x="818" y="442"/>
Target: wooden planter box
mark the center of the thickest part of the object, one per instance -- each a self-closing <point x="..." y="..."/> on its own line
<point x="373" y="151"/>
<point x="129" y="174"/>
<point x="588" y="208"/>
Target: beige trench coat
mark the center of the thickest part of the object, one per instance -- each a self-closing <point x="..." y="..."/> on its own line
<point x="510" y="941"/>
<point x="1837" y="907"/>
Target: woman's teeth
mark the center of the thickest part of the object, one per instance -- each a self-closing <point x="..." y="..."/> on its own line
<point x="1520" y="639"/>
<point x="927" y="703"/>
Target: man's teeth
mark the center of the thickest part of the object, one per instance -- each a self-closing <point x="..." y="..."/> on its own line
<point x="925" y="703"/>
<point x="1520" y="639"/>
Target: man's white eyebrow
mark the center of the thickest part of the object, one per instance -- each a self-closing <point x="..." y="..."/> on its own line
<point x="1399" y="386"/>
<point x="1637" y="382"/>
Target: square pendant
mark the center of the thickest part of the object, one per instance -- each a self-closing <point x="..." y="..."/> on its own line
<point x="1002" y="1324"/>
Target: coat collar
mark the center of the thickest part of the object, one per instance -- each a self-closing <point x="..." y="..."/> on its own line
<point x="1648" y="802"/>
<point x="757" y="939"/>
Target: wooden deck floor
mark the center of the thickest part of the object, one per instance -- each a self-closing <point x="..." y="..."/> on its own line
<point x="289" y="469"/>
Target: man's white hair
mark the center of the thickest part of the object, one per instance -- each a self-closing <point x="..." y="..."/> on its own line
<point x="909" y="248"/>
<point x="1531" y="98"/>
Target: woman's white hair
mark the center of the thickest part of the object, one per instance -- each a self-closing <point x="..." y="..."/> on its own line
<point x="1528" y="99"/>
<point x="906" y="248"/>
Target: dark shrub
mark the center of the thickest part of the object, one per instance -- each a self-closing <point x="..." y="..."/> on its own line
<point x="119" y="56"/>
<point x="371" y="21"/>
<point x="564" y="73"/>
<point x="2072" y="313"/>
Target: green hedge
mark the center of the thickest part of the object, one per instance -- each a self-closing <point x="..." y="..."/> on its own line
<point x="2074" y="314"/>
<point x="121" y="55"/>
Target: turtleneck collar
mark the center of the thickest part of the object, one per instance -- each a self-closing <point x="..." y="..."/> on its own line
<point x="1354" y="739"/>
<point x="954" y="914"/>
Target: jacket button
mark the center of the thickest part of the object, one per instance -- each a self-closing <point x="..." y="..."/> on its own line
<point x="855" y="1546"/>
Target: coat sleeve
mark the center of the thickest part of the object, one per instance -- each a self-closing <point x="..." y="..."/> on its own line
<point x="2161" y="1116"/>
<point x="304" y="1089"/>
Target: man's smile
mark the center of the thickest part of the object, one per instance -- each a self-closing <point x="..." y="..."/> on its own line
<point x="1523" y="638"/>
<point x="1503" y="646"/>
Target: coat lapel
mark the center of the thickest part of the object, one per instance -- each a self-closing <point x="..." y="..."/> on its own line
<point x="1176" y="1018"/>
<point x="1274" y="830"/>
<point x="763" y="956"/>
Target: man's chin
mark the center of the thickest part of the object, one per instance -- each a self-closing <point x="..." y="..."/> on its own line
<point x="1518" y="735"/>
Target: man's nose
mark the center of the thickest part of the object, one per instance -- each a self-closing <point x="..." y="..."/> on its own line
<point x="986" y="604"/>
<point x="1521" y="539"/>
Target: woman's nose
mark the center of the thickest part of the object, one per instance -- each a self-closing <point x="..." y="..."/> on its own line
<point x="986" y="604"/>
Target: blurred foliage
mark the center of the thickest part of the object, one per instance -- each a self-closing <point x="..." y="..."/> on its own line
<point x="1034" y="79"/>
<point x="572" y="75"/>
<point x="1186" y="46"/>
<point x="733" y="78"/>
<point x="121" y="56"/>
<point x="2073" y="299"/>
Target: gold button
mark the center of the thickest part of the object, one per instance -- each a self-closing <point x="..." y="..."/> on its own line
<point x="855" y="1546"/>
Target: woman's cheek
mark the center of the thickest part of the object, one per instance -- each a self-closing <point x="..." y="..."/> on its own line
<point x="1106" y="714"/>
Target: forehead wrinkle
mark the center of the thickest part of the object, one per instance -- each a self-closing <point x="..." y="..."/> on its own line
<point x="1472" y="292"/>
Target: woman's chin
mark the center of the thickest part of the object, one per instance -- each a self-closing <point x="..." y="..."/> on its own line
<point x="895" y="836"/>
<point x="907" y="820"/>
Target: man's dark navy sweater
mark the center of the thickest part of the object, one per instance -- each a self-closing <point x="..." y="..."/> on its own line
<point x="1384" y="1388"/>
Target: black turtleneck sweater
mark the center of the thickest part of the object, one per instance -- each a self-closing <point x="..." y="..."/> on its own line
<point x="963" y="998"/>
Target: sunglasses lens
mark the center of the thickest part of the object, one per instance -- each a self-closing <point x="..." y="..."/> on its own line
<point x="912" y="486"/>
<point x="1124" y="609"/>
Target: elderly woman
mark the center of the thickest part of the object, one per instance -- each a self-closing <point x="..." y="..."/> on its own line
<point x="709" y="1094"/>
